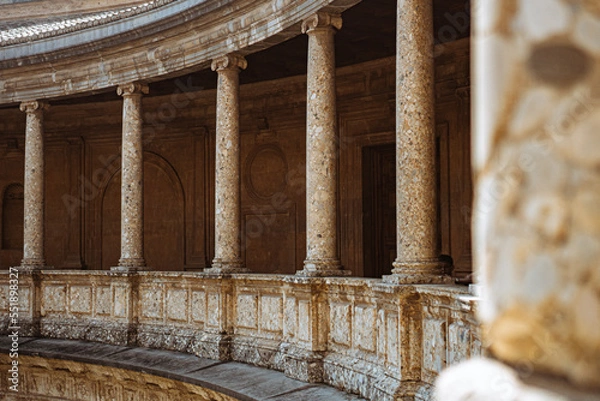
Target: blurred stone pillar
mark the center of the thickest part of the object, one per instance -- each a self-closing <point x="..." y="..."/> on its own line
<point x="132" y="179"/>
<point x="418" y="238"/>
<point x="537" y="207"/>
<point x="33" y="232"/>
<point x="322" y="258"/>
<point x="228" y="249"/>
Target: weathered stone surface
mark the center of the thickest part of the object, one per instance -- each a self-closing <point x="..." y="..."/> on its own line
<point x="51" y="362"/>
<point x="361" y="335"/>
<point x="228" y="241"/>
<point x="322" y="257"/>
<point x="418" y="254"/>
<point x="132" y="179"/>
<point x="536" y="212"/>
<point x="33" y="243"/>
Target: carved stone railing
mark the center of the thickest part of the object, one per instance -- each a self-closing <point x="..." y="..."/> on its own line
<point x="361" y="335"/>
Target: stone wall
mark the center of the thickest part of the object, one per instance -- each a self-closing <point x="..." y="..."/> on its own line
<point x="378" y="340"/>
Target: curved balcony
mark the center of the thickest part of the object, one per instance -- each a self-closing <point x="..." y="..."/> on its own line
<point x="363" y="336"/>
<point x="150" y="44"/>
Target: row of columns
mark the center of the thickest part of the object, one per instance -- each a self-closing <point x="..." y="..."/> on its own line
<point x="418" y="258"/>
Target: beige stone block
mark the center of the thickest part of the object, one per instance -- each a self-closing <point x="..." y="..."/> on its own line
<point x="434" y="345"/>
<point x="120" y="301"/>
<point x="304" y="320"/>
<point x="213" y="309"/>
<point x="54" y="298"/>
<point x="104" y="300"/>
<point x="271" y="313"/>
<point x="151" y="302"/>
<point x="199" y="306"/>
<point x="80" y="299"/>
<point x="177" y="304"/>
<point x="381" y="333"/>
<point x="247" y="311"/>
<point x="364" y="328"/>
<point x="340" y="320"/>
<point x="290" y="318"/>
<point x="25" y="300"/>
<point x="392" y="340"/>
<point x="459" y="340"/>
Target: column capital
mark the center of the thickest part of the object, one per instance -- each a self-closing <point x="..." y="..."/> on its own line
<point x="232" y="61"/>
<point x="31" y="106"/>
<point x="322" y="20"/>
<point x="132" y="88"/>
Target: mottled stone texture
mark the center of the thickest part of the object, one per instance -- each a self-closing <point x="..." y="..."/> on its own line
<point x="132" y="179"/>
<point x="228" y="250"/>
<point x="537" y="158"/>
<point x="322" y="257"/>
<point x="33" y="243"/>
<point x="418" y="259"/>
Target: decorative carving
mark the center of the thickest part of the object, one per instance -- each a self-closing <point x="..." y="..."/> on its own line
<point x="322" y="20"/>
<point x="133" y="88"/>
<point x="30" y="107"/>
<point x="230" y="61"/>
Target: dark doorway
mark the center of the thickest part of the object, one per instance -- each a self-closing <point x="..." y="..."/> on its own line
<point x="379" y="209"/>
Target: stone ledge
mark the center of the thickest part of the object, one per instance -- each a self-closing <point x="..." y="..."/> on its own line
<point x="243" y="382"/>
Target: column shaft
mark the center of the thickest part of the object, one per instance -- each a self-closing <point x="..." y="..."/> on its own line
<point x="228" y="250"/>
<point x="33" y="241"/>
<point x="418" y="258"/>
<point x="132" y="179"/>
<point x="322" y="258"/>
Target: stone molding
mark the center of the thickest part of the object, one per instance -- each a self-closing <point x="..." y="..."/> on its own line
<point x="322" y="20"/>
<point x="230" y="61"/>
<point x="61" y="67"/>
<point x="33" y="106"/>
<point x="134" y="88"/>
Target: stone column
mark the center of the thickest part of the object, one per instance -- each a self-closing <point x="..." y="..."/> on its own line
<point x="33" y="232"/>
<point x="228" y="249"/>
<point x="132" y="179"/>
<point x="418" y="259"/>
<point x="536" y="156"/>
<point x="322" y="257"/>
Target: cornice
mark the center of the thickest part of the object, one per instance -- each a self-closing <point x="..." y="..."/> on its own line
<point x="178" y="38"/>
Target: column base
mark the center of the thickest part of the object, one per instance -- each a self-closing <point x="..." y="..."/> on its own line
<point x="323" y="268"/>
<point x="434" y="271"/>
<point x="28" y="268"/>
<point x="28" y="265"/>
<point x="220" y="266"/>
<point x="130" y="265"/>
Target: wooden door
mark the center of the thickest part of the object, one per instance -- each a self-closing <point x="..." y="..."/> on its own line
<point x="379" y="209"/>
